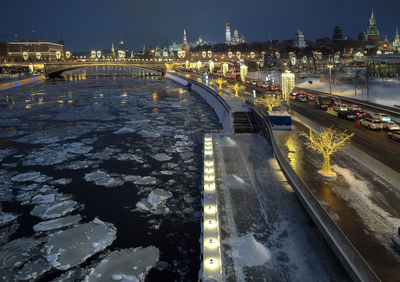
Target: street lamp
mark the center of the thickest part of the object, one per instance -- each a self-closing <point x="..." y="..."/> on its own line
<point x="330" y="78"/>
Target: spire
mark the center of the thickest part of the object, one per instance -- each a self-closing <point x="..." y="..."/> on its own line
<point x="396" y="42"/>
<point x="112" y="51"/>
<point x="144" y="49"/>
<point x="372" y="13"/>
<point x="184" y="37"/>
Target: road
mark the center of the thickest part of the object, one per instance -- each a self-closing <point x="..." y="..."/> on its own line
<point x="374" y="143"/>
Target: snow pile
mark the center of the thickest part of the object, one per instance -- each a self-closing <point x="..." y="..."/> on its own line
<point x="358" y="196"/>
<point x="66" y="249"/>
<point x="246" y="251"/>
<point x="227" y="142"/>
<point x="155" y="202"/>
<point x="125" y="265"/>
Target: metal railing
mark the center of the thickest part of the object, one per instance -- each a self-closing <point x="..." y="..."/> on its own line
<point x="350" y="258"/>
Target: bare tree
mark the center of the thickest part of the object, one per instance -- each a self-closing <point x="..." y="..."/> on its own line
<point x="326" y="143"/>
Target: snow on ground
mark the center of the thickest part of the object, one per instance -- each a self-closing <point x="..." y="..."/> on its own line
<point x="381" y="92"/>
<point x="66" y="249"/>
<point x="360" y="198"/>
<point x="125" y="265"/>
<point x="246" y="251"/>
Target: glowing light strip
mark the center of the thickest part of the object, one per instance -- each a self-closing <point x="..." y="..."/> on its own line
<point x="212" y="268"/>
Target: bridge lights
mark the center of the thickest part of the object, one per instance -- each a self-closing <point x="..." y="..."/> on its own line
<point x="68" y="54"/>
<point x="25" y="55"/>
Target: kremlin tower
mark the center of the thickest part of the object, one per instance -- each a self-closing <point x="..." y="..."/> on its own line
<point x="373" y="32"/>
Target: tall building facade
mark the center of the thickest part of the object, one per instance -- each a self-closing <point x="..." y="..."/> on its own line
<point x="373" y="32"/>
<point x="228" y="38"/>
<point x="185" y="45"/>
<point x="298" y="40"/>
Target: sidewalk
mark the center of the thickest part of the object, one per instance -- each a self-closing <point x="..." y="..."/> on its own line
<point x="266" y="234"/>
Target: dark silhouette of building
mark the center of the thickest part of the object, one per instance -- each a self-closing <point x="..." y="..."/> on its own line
<point x="337" y="33"/>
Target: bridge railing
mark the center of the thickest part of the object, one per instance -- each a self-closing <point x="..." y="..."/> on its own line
<point x="350" y="258"/>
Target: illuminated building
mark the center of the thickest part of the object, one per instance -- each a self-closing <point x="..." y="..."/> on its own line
<point x="47" y="51"/>
<point x="228" y="39"/>
<point x="373" y="32"/>
<point x="298" y="40"/>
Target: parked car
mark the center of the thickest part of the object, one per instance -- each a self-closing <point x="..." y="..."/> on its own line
<point x="390" y="125"/>
<point x="353" y="107"/>
<point x="340" y="107"/>
<point x="301" y="98"/>
<point x="381" y="116"/>
<point x="349" y="115"/>
<point x="321" y="106"/>
<point x="395" y="135"/>
<point x="371" y="123"/>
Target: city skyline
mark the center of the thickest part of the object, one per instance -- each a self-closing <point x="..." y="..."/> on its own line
<point x="131" y="21"/>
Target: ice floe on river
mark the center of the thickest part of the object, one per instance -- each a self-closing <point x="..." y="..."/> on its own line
<point x="155" y="202"/>
<point x="125" y="265"/>
<point x="66" y="249"/>
<point x="49" y="211"/>
<point x="57" y="223"/>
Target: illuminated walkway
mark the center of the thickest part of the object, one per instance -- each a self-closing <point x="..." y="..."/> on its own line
<point x="265" y="233"/>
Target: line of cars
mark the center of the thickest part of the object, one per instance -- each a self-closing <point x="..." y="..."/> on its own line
<point x="374" y="121"/>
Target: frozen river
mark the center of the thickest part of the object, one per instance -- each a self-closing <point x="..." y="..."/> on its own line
<point x="100" y="178"/>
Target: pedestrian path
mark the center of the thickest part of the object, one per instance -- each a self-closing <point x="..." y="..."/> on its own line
<point x="265" y="233"/>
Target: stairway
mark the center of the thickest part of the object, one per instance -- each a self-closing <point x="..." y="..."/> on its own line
<point x="244" y="123"/>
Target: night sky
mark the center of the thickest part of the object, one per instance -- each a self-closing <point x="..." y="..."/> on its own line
<point x="94" y="24"/>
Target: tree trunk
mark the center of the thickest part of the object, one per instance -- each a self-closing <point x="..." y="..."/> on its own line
<point x="326" y="167"/>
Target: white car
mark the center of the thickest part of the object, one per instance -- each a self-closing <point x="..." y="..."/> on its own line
<point x="381" y="116"/>
<point x="340" y="108"/>
<point x="371" y="123"/>
<point x="390" y="125"/>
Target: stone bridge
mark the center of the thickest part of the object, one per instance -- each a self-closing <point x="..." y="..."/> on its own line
<point x="54" y="70"/>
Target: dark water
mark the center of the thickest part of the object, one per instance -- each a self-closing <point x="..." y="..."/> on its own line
<point x="162" y="118"/>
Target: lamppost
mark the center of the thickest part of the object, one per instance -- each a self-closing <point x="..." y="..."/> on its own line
<point x="330" y="78"/>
